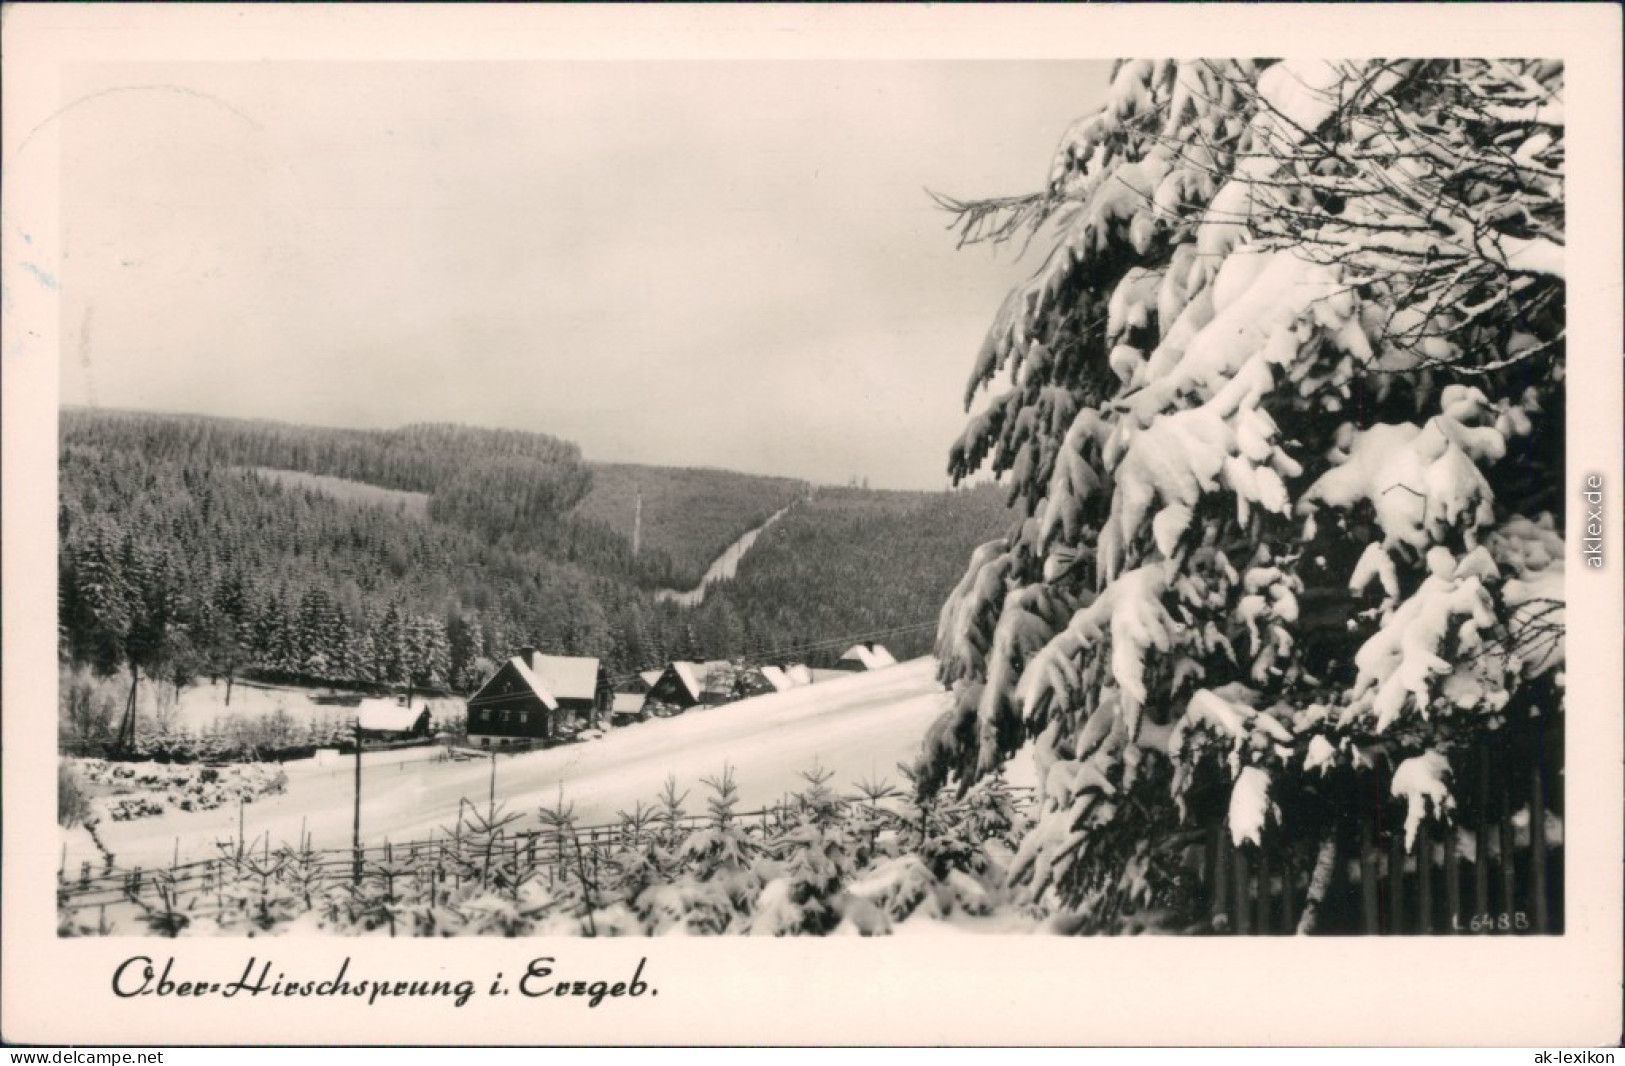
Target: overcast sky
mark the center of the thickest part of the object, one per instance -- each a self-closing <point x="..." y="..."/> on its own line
<point x="720" y="264"/>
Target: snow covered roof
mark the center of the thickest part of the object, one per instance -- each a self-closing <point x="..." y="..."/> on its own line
<point x="567" y="677"/>
<point x="387" y="716"/>
<point x="784" y="678"/>
<point x="872" y="656"/>
<point x="535" y="683"/>
<point x="627" y="703"/>
<point x="650" y="676"/>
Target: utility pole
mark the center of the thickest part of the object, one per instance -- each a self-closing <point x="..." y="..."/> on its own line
<point x="493" y="797"/>
<point x="356" y="837"/>
<point x="637" y="521"/>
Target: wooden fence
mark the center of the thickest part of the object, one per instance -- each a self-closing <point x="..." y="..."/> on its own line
<point x="444" y="862"/>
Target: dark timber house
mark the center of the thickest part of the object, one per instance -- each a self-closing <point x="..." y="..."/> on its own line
<point x="537" y="698"/>
<point x="688" y="684"/>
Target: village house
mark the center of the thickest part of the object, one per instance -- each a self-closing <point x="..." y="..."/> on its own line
<point x="629" y="702"/>
<point x="683" y="684"/>
<point x="688" y="684"/>
<point x="534" y="698"/>
<point x="628" y="707"/>
<point x="785" y="678"/>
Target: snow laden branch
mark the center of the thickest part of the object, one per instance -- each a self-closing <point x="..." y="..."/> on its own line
<point x="1282" y="408"/>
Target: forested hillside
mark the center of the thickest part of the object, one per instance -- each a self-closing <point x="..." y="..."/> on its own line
<point x="188" y="551"/>
<point x="511" y="488"/>
<point x="189" y="567"/>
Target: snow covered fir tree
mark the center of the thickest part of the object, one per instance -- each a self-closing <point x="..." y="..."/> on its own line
<point x="1283" y="409"/>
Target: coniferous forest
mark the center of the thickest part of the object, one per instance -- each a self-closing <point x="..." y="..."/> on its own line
<point x="188" y="552"/>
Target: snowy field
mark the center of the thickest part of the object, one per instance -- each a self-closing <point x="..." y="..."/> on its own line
<point x="204" y="704"/>
<point x="860" y="727"/>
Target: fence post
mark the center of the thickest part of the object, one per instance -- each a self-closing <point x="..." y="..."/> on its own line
<point x="1289" y="890"/>
<point x="1537" y="833"/>
<point x="1396" y="880"/>
<point x="1424" y="877"/>
<point x="1509" y="855"/>
<point x="1368" y="876"/>
<point x="1481" y="864"/>
<point x="1263" y="890"/>
<point x="1452" y="881"/>
<point x="1243" y="905"/>
<point x="1220" y="874"/>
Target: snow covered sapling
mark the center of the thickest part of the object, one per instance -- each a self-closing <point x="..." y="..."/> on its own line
<point x="579" y="887"/>
<point x="636" y="861"/>
<point x="872" y="817"/>
<point x="386" y="897"/>
<point x="814" y="859"/>
<point x="717" y="885"/>
<point x="258" y="895"/>
<point x="306" y="877"/>
<point x="160" y="902"/>
<point x="722" y="849"/>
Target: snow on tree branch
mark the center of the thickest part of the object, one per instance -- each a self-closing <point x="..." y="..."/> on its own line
<point x="1306" y="316"/>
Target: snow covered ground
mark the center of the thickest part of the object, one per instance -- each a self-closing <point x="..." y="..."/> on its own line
<point x="204" y="704"/>
<point x="860" y="727"/>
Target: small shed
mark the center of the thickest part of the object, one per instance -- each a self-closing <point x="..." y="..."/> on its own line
<point x="686" y="684"/>
<point x="384" y="719"/>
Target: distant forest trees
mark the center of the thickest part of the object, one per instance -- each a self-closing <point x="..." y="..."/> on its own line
<point x="689" y="515"/>
<point x="178" y="560"/>
<point x="851" y="561"/>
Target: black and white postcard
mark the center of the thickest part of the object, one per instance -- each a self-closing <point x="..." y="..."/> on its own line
<point x="812" y="525"/>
